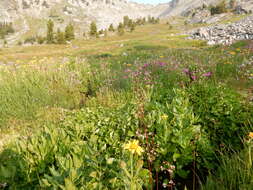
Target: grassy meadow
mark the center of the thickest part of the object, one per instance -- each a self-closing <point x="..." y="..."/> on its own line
<point x="146" y="110"/>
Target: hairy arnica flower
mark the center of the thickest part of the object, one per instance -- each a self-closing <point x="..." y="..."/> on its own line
<point x="134" y="147"/>
<point x="164" y="117"/>
<point x="251" y="135"/>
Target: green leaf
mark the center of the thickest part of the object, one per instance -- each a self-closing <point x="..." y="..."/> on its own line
<point x="176" y="156"/>
<point x="69" y="185"/>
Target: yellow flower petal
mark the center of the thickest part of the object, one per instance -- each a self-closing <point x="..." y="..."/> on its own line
<point x="251" y="135"/>
<point x="134" y="147"/>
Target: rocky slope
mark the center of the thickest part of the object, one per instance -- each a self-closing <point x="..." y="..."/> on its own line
<point x="226" y="34"/>
<point x="185" y="7"/>
<point x="182" y="7"/>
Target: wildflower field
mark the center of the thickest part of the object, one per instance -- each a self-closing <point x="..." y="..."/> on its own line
<point x="172" y="114"/>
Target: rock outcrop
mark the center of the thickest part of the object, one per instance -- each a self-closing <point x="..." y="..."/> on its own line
<point x="225" y="33"/>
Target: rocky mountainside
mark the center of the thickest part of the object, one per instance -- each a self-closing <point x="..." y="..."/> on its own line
<point x="81" y="12"/>
<point x="185" y="7"/>
<point x="105" y="11"/>
<point x="182" y="7"/>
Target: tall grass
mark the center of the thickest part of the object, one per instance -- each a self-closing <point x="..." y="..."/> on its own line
<point x="26" y="89"/>
<point x="235" y="172"/>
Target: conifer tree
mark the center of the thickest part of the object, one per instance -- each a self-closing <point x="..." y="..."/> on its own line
<point x="121" y="30"/>
<point x="111" y="28"/>
<point x="144" y="20"/>
<point x="50" y="32"/>
<point x="60" y="37"/>
<point x="125" y="21"/>
<point x="93" y="29"/>
<point x="69" y="32"/>
<point x="132" y="28"/>
<point x="130" y="23"/>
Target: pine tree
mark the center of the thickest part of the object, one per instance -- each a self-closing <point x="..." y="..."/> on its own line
<point x="50" y="32"/>
<point x="130" y="23"/>
<point x="144" y="20"/>
<point x="132" y="28"/>
<point x="111" y="28"/>
<point x="126" y="20"/>
<point x="69" y="32"/>
<point x="60" y="37"/>
<point x="121" y="30"/>
<point x="93" y="29"/>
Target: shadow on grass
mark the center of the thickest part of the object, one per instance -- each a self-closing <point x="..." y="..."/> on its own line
<point x="12" y="167"/>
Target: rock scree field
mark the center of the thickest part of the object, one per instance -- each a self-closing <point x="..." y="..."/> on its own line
<point x="149" y="109"/>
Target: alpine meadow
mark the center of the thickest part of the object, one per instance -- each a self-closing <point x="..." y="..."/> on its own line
<point x="119" y="95"/>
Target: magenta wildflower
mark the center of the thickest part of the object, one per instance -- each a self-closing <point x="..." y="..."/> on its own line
<point x="145" y="65"/>
<point x="186" y="71"/>
<point x="207" y="74"/>
<point x="162" y="64"/>
<point x="193" y="77"/>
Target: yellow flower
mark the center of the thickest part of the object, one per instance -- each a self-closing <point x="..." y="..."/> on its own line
<point x="232" y="53"/>
<point x="129" y="65"/>
<point x="134" y="147"/>
<point x="164" y="117"/>
<point x="251" y="135"/>
<point x="161" y="56"/>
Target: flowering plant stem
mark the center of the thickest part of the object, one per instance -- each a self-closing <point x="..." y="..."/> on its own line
<point x="132" y="172"/>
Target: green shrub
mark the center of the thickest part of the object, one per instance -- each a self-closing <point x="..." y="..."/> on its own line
<point x="218" y="9"/>
<point x="223" y="115"/>
<point x="84" y="152"/>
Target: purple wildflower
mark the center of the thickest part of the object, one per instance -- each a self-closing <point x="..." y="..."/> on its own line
<point x="162" y="64"/>
<point x="145" y="65"/>
<point x="209" y="74"/>
<point x="193" y="77"/>
<point x="186" y="71"/>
